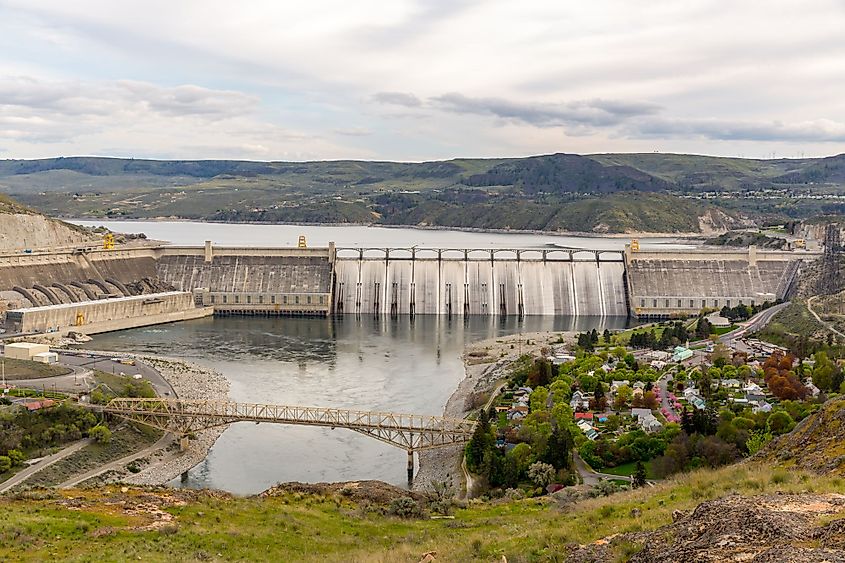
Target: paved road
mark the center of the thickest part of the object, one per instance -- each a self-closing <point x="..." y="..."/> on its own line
<point x="754" y="324"/>
<point x="663" y="384"/>
<point x="22" y="476"/>
<point x="105" y="363"/>
<point x="591" y="477"/>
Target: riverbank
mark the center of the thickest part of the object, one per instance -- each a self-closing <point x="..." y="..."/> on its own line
<point x="164" y="462"/>
<point x="486" y="366"/>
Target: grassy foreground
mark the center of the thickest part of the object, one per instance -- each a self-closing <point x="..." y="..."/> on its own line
<point x="159" y="524"/>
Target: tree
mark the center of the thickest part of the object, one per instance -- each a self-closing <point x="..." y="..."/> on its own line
<point x="520" y="456"/>
<point x="757" y="440"/>
<point x="721" y="355"/>
<point x="623" y="398"/>
<point x="100" y="434"/>
<point x="780" y="422"/>
<point x="649" y="400"/>
<point x="559" y="448"/>
<point x="5" y="463"/>
<point x="703" y="328"/>
<point x="598" y="401"/>
<point x="639" y="475"/>
<point x="541" y="474"/>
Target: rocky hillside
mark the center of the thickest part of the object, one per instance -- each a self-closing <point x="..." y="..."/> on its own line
<point x="817" y="444"/>
<point x="22" y="228"/>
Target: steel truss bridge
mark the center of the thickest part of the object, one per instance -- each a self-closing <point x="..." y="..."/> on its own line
<point x="411" y="432"/>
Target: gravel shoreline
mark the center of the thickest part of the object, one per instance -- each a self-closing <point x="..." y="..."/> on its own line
<point x="486" y="364"/>
<point x="190" y="381"/>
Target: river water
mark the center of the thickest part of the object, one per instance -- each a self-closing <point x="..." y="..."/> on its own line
<point x="364" y="363"/>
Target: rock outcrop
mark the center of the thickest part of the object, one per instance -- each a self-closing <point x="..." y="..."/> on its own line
<point x="22" y="228"/>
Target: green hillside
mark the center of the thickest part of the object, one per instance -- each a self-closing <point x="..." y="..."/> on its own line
<point x="593" y="193"/>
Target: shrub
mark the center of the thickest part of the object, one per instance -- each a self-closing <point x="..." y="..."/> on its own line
<point x="404" y="507"/>
<point x="100" y="434"/>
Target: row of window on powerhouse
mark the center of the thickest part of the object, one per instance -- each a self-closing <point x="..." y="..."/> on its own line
<point x="667" y="303"/>
<point x="239" y="299"/>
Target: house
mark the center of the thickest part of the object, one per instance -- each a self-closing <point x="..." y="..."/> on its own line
<point x="814" y="391"/>
<point x="698" y="403"/>
<point x="681" y="354"/>
<point x="658" y="355"/>
<point x="730" y="383"/>
<point x="38" y="405"/>
<point x="583" y="416"/>
<point x="614" y="385"/>
<point x="561" y="358"/>
<point x="590" y="432"/>
<point x="647" y="420"/>
<point x="718" y="320"/>
<point x="755" y="397"/>
<point x="762" y="406"/>
<point x="690" y="392"/>
<point x="752" y="388"/>
<point x="579" y="401"/>
<point x="658" y="364"/>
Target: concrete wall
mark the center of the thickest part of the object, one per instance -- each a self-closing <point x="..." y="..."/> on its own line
<point x="661" y="288"/>
<point x="121" y="312"/>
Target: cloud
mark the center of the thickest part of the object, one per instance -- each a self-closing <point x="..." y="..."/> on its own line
<point x="596" y="113"/>
<point x="354" y="132"/>
<point x="818" y="131"/>
<point x="95" y="98"/>
<point x="397" y="99"/>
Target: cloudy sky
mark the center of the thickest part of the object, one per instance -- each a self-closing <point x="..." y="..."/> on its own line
<point x="420" y="79"/>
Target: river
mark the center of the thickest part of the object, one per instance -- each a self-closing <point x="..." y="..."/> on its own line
<point x="365" y="363"/>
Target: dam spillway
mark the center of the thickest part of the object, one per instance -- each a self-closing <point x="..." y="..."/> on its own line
<point x="479" y="287"/>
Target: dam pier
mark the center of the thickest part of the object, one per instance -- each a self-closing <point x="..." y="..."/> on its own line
<point x="92" y="290"/>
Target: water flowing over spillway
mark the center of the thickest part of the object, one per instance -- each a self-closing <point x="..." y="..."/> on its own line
<point x="480" y="287"/>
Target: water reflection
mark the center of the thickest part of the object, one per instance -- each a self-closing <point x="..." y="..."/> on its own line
<point x="372" y="363"/>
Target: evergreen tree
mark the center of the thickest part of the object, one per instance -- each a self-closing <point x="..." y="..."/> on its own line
<point x="559" y="448"/>
<point x="639" y="475"/>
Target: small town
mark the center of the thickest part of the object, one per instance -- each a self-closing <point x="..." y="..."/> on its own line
<point x="639" y="405"/>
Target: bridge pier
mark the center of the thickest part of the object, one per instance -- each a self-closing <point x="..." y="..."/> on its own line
<point x="183" y="443"/>
<point x="410" y="468"/>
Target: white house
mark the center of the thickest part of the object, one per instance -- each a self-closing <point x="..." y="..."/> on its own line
<point x="647" y="420"/>
<point x="579" y="401"/>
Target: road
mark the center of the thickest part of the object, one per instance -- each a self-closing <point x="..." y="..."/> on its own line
<point x="591" y="477"/>
<point x="663" y="385"/>
<point x="752" y="325"/>
<point x="22" y="476"/>
<point x="818" y="318"/>
<point x="105" y="363"/>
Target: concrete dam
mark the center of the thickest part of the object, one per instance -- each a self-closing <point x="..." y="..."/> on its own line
<point x="392" y="281"/>
<point x="481" y="282"/>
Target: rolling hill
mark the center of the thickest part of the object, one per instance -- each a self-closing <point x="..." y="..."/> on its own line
<point x="610" y="193"/>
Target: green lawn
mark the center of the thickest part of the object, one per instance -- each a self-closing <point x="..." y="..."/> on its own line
<point x="628" y="469"/>
<point x="25" y="369"/>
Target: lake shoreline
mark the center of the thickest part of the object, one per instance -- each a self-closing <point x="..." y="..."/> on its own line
<point x="671" y="238"/>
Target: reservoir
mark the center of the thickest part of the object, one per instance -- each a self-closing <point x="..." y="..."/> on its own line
<point x="361" y="362"/>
